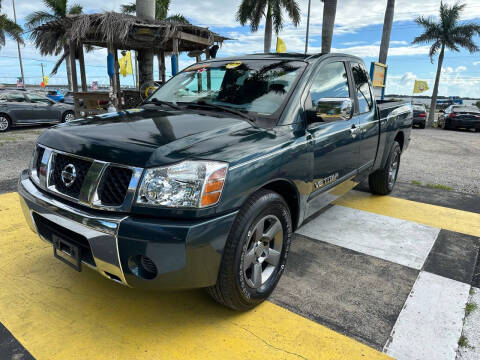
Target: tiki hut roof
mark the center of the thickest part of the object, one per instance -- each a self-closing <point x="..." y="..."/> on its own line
<point x="125" y="32"/>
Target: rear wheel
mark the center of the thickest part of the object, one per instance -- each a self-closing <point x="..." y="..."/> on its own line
<point x="422" y="126"/>
<point x="68" y="116"/>
<point x="5" y="123"/>
<point x="382" y="181"/>
<point x="256" y="252"/>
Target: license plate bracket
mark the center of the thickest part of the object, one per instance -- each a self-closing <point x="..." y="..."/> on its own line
<point x="67" y="252"/>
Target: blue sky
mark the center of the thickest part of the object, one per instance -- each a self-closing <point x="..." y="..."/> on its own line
<point x="358" y="31"/>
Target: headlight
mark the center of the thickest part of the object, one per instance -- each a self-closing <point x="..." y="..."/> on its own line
<point x="189" y="184"/>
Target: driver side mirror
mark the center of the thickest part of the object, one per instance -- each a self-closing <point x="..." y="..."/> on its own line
<point x="330" y="109"/>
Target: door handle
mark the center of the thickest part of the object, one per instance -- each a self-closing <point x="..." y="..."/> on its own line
<point x="354" y="131"/>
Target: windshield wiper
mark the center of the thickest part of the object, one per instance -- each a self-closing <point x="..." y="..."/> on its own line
<point x="162" y="102"/>
<point x="220" y="107"/>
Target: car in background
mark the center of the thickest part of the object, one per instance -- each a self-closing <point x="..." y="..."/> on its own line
<point x="68" y="98"/>
<point x="455" y="116"/>
<point x="20" y="108"/>
<point x="419" y="115"/>
<point x="55" y="95"/>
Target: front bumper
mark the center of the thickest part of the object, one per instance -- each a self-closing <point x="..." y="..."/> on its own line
<point x="186" y="254"/>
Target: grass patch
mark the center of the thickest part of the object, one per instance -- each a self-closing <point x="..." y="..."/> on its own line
<point x="416" y="182"/>
<point x="463" y="342"/>
<point x="470" y="307"/>
<point x="11" y="138"/>
<point x="439" y="186"/>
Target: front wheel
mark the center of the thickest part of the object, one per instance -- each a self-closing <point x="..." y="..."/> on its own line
<point x="5" y="123"/>
<point x="68" y="116"/>
<point x="382" y="181"/>
<point x="255" y="253"/>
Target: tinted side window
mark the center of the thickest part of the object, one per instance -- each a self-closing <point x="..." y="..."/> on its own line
<point x="362" y="87"/>
<point x="330" y="82"/>
<point x="16" y="97"/>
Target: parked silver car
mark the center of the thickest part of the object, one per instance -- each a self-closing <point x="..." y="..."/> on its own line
<point x="21" y="108"/>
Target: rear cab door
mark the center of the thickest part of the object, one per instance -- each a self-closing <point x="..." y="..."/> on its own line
<point x="366" y="116"/>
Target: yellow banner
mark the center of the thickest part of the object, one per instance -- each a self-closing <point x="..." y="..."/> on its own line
<point x="125" y="63"/>
<point x="420" y="86"/>
<point x="281" y="47"/>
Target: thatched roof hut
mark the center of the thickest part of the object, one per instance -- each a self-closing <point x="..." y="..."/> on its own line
<point x="116" y="31"/>
<point x="124" y="32"/>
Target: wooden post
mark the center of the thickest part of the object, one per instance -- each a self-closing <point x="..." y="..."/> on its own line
<point x="81" y="60"/>
<point x="209" y="78"/>
<point x="116" y="81"/>
<point x="73" y="65"/>
<point x="162" y="67"/>
<point x="175" y="52"/>
<point x="199" y="75"/>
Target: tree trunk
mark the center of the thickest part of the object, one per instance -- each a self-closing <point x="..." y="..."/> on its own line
<point x="69" y="70"/>
<point x="267" y="41"/>
<point x="329" y="11"/>
<point x="387" y="29"/>
<point x="433" y="104"/>
<point x="146" y="11"/>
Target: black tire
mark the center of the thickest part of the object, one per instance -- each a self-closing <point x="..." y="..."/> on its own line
<point x="380" y="182"/>
<point x="5" y="123"/>
<point x="233" y="288"/>
<point x="67" y="114"/>
<point x="422" y="126"/>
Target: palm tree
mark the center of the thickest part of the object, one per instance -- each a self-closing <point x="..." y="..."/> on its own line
<point x="161" y="13"/>
<point x="10" y="28"/>
<point x="387" y="29"/>
<point x="446" y="33"/>
<point x="252" y="11"/>
<point x="329" y="12"/>
<point x="58" y="10"/>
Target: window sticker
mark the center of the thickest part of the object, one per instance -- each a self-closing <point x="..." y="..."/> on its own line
<point x="198" y="68"/>
<point x="233" y="65"/>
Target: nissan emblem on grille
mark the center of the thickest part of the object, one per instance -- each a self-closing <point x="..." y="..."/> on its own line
<point x="69" y="174"/>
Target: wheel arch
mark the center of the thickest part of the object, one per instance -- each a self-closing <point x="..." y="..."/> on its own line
<point x="289" y="192"/>
<point x="400" y="138"/>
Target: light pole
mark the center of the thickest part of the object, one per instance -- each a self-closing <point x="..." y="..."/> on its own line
<point x="308" y="26"/>
<point x="18" y="45"/>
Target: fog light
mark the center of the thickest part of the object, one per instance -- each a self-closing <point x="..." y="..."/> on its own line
<point x="142" y="267"/>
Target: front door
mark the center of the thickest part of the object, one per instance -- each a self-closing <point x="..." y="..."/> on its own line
<point x="334" y="132"/>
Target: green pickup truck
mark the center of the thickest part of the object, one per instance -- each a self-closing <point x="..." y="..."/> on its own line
<point x="204" y="184"/>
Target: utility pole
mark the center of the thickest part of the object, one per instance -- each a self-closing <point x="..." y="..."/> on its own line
<point x="18" y="45"/>
<point x="308" y="26"/>
<point x="43" y="76"/>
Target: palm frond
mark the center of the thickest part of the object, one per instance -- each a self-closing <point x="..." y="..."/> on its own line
<point x="259" y="10"/>
<point x="466" y="42"/>
<point x="161" y="9"/>
<point x="10" y="28"/>
<point x="75" y="9"/>
<point x="178" y="18"/>
<point x="432" y="31"/>
<point x="245" y="11"/>
<point x="293" y="10"/>
<point x="129" y="8"/>
<point x="58" y="7"/>
<point x="37" y="18"/>
<point x="277" y="16"/>
<point x="434" y="49"/>
<point x="60" y="61"/>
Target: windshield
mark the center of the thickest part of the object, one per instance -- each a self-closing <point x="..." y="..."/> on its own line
<point x="466" y="109"/>
<point x="254" y="86"/>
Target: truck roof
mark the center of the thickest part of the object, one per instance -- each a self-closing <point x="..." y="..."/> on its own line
<point x="286" y="56"/>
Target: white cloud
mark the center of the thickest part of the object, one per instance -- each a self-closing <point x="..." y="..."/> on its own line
<point x="408" y="77"/>
<point x="460" y="68"/>
<point x="475" y="63"/>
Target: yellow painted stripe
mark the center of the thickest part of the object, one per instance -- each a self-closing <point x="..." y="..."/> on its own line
<point x="57" y="313"/>
<point x="441" y="217"/>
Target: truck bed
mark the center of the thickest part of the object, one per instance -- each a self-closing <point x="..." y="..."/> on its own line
<point x="385" y="107"/>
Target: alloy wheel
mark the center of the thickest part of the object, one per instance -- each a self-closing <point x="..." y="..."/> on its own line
<point x="264" y="247"/>
<point x="3" y="123"/>
<point x="393" y="170"/>
<point x="69" y="117"/>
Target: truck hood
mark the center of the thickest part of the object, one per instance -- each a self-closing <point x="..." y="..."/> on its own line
<point x="150" y="137"/>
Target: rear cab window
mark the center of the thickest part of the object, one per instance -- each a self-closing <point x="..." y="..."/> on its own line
<point x="362" y="88"/>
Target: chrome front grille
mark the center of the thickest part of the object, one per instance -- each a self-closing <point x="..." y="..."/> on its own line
<point x="90" y="182"/>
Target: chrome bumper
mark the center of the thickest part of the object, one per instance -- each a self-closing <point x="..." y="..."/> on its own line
<point x="101" y="232"/>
